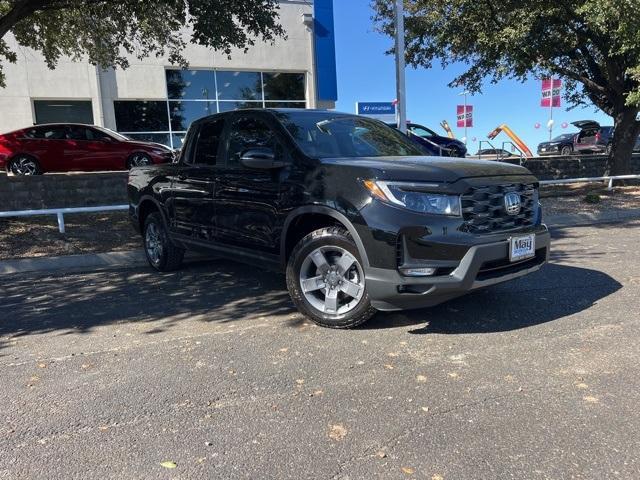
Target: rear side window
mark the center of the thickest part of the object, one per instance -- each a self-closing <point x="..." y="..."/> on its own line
<point x="49" y="133"/>
<point x="207" y="144"/>
<point x="246" y="133"/>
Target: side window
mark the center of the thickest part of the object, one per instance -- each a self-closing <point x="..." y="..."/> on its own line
<point x="249" y="132"/>
<point x="77" y="133"/>
<point x="50" y="133"/>
<point x="205" y="151"/>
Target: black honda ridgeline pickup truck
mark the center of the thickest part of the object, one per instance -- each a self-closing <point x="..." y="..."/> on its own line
<point x="353" y="211"/>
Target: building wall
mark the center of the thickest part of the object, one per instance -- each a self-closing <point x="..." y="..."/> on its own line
<point x="30" y="79"/>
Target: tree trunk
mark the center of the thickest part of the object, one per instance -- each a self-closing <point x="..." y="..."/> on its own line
<point x="626" y="133"/>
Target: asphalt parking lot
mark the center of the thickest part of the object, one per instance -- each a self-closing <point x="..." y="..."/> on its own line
<point x="108" y="374"/>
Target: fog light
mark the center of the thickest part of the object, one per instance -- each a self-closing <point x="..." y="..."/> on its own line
<point x="417" y="272"/>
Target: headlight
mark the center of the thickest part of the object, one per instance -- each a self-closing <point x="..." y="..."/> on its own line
<point x="410" y="196"/>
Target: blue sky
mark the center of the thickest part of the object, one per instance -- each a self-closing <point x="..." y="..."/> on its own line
<point x="365" y="73"/>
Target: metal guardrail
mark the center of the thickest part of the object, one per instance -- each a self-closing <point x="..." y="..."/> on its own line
<point x="59" y="212"/>
<point x="608" y="179"/>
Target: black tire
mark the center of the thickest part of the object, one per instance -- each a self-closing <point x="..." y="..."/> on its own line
<point x="24" y="165"/>
<point x="336" y="237"/>
<point x="566" y="150"/>
<point x="169" y="257"/>
<point x="139" y="159"/>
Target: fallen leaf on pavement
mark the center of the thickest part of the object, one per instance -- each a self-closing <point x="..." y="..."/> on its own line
<point x="388" y="366"/>
<point x="381" y="454"/>
<point x="421" y="378"/>
<point x="591" y="399"/>
<point x="437" y="477"/>
<point x="408" y="470"/>
<point x="425" y="409"/>
<point x="337" y="432"/>
<point x="169" y="464"/>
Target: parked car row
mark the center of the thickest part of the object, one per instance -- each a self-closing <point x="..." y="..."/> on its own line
<point x="592" y="138"/>
<point x="75" y="147"/>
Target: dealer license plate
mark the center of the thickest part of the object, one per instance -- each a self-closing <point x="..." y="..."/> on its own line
<point x="522" y="247"/>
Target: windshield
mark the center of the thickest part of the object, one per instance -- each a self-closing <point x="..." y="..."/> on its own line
<point x="422" y="132"/>
<point x="564" y="136"/>
<point x="111" y="133"/>
<point x="329" y="134"/>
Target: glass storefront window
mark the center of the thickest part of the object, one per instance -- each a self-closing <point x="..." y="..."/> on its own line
<point x="193" y="94"/>
<point x="183" y="113"/>
<point x="141" y="116"/>
<point x="228" y="106"/>
<point x="285" y="105"/>
<point x="63" y="111"/>
<point x="239" y="85"/>
<point x="283" y="86"/>
<point x="191" y="84"/>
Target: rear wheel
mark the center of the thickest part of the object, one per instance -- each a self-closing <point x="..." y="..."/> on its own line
<point x="326" y="280"/>
<point x="566" y="150"/>
<point x="24" y="165"/>
<point x="161" y="253"/>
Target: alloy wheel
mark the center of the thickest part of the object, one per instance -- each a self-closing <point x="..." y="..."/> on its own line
<point x="153" y="243"/>
<point x="24" y="166"/>
<point x="332" y="280"/>
<point x="139" y="160"/>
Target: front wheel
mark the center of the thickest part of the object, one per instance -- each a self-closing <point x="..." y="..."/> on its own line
<point x="566" y="150"/>
<point x="139" y="160"/>
<point x="161" y="253"/>
<point x="326" y="280"/>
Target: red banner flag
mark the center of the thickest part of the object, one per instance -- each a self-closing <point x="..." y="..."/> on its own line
<point x="465" y="118"/>
<point x="551" y="89"/>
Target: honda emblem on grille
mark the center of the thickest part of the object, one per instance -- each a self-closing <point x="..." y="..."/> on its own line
<point x="512" y="203"/>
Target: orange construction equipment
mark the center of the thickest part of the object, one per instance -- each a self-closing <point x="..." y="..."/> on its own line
<point x="445" y="125"/>
<point x="516" y="139"/>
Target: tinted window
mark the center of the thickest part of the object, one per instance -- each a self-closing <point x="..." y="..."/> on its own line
<point x="228" y="106"/>
<point x="246" y="133"/>
<point x="283" y="86"/>
<point x="422" y="132"/>
<point x="141" y="116"/>
<point x="63" y="111"/>
<point x="208" y="143"/>
<point x="191" y="84"/>
<point x="239" y="85"/>
<point x="327" y="134"/>
<point x="49" y="133"/>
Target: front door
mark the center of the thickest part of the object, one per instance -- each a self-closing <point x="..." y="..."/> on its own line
<point x="191" y="204"/>
<point x="247" y="200"/>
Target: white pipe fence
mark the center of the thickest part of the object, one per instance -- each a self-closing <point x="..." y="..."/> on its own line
<point x="608" y="179"/>
<point x="59" y="212"/>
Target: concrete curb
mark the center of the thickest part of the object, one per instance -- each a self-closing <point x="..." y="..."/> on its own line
<point x="137" y="257"/>
<point x="72" y="262"/>
<point x="582" y="219"/>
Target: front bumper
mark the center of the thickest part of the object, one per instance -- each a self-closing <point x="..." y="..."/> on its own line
<point x="483" y="265"/>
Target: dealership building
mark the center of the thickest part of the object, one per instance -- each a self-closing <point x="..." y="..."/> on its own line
<point x="153" y="100"/>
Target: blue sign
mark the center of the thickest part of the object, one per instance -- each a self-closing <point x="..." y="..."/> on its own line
<point x="375" y="108"/>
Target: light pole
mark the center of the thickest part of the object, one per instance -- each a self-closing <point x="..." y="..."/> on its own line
<point x="465" y="93"/>
<point x="400" y="67"/>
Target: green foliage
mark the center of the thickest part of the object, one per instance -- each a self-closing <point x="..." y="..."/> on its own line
<point x="592" y="198"/>
<point x="106" y="32"/>
<point x="594" y="44"/>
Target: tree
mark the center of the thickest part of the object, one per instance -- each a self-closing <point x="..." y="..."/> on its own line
<point x="105" y="32"/>
<point x="594" y="45"/>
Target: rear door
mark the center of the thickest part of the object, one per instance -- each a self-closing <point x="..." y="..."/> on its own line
<point x="247" y="200"/>
<point x="46" y="143"/>
<point x="191" y="201"/>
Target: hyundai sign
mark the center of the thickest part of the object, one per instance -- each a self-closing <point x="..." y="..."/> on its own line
<point x="384" y="111"/>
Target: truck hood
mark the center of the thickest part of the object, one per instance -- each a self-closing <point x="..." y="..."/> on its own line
<point x="428" y="169"/>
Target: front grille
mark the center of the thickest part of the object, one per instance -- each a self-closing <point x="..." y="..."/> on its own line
<point x="483" y="208"/>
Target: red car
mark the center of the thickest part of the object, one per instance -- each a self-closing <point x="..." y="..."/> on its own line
<point x="74" y="147"/>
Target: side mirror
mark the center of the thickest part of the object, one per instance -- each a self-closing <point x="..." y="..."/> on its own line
<point x="261" y="158"/>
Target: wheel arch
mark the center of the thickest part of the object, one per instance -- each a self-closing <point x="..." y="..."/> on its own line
<point x="146" y="206"/>
<point x="26" y="154"/>
<point x="319" y="211"/>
